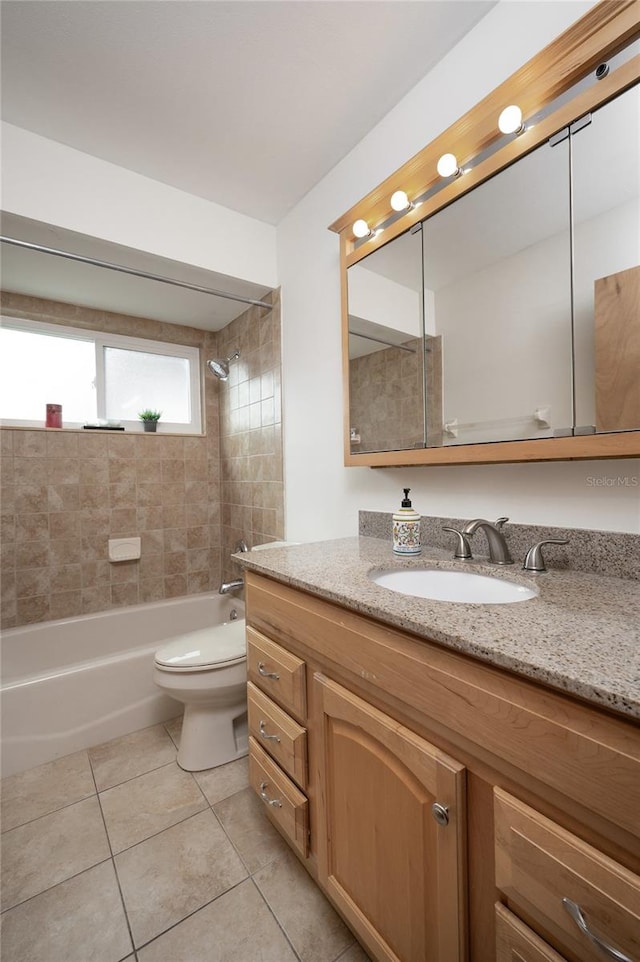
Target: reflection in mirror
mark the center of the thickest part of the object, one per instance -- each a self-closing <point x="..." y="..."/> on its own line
<point x="498" y="296"/>
<point x="386" y="368"/>
<point x="606" y="176"/>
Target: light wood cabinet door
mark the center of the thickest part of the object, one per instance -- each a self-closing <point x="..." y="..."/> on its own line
<point x="396" y="874"/>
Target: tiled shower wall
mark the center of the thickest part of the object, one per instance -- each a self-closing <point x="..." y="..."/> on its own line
<point x="64" y="493"/>
<point x="252" y="497"/>
<point x="386" y="398"/>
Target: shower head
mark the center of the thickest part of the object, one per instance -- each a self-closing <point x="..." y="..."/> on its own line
<point x="221" y="368"/>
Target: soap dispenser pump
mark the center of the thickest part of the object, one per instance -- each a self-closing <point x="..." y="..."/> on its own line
<point x="406" y="528"/>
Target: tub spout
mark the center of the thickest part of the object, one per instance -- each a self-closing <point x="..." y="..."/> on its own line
<point x="228" y="586"/>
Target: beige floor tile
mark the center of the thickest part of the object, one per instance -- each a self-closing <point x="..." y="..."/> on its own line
<point x="312" y="926"/>
<point x="79" y="919"/>
<point x="219" y="783"/>
<point x="45" y="789"/>
<point x="174" y="729"/>
<point x="51" y="849"/>
<point x="355" y="954"/>
<point x="169" y="876"/>
<point x="246" y="824"/>
<point x="122" y="758"/>
<point x="148" y="804"/>
<point x="237" y="927"/>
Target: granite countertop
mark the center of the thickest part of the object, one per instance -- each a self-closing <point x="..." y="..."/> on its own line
<point x="581" y="634"/>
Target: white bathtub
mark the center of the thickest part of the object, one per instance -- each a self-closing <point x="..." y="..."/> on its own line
<point x="77" y="682"/>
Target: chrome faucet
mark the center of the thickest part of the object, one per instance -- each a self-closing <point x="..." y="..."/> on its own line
<point x="499" y="553"/>
<point x="228" y="586"/>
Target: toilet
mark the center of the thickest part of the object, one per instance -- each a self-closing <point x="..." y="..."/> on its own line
<point x="207" y="671"/>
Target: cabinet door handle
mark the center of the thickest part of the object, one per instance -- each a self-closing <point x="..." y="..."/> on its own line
<point x="263" y="733"/>
<point x="267" y="674"/>
<point x="575" y="912"/>
<point x="270" y="801"/>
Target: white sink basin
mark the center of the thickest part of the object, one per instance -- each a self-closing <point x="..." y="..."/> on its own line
<point x="458" y="586"/>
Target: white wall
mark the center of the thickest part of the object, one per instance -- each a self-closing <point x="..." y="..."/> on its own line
<point x="55" y="184"/>
<point x="322" y="496"/>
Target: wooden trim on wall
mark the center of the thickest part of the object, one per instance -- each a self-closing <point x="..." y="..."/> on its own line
<point x="584" y="448"/>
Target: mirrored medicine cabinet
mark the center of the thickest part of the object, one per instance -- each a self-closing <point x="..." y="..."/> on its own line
<point x="505" y="324"/>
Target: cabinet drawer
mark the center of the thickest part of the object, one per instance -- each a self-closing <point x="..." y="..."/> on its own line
<point x="284" y="802"/>
<point x="515" y="942"/>
<point x="277" y="672"/>
<point x="278" y="734"/>
<point x="538" y="864"/>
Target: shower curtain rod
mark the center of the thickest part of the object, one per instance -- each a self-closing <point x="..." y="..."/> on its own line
<point x="379" y="340"/>
<point x="131" y="270"/>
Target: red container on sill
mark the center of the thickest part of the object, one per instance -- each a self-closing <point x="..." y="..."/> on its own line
<point x="54" y="416"/>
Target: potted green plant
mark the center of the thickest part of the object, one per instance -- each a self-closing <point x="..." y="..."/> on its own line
<point x="150" y="419"/>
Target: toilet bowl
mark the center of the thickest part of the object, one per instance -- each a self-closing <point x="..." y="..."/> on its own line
<point x="206" y="670"/>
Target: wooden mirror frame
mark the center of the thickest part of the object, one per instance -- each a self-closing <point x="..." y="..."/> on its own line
<point x="605" y="30"/>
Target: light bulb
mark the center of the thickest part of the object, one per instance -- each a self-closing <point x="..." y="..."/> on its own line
<point x="361" y="229"/>
<point x="400" y="201"/>
<point x="448" y="165"/>
<point x="510" y="120"/>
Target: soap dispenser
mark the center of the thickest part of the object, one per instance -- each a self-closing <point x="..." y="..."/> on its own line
<point x="406" y="528"/>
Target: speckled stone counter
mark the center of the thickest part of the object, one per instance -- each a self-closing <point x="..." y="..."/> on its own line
<point x="581" y="634"/>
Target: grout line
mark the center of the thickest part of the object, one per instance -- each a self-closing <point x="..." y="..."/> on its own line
<point x="275" y="917"/>
<point x="53" y="811"/>
<point x="113" y="863"/>
<point x="195" y="912"/>
<point x="55" y="885"/>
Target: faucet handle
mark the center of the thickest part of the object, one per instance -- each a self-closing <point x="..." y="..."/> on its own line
<point x="463" y="548"/>
<point x="534" y="560"/>
<point x="500" y="522"/>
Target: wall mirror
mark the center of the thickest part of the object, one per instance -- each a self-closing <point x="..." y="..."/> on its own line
<point x="503" y="323"/>
<point x="606" y="281"/>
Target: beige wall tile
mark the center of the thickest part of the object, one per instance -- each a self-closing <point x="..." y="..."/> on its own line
<point x="65" y="604"/>
<point x="30" y="444"/>
<point x="126" y="594"/>
<point x="65" y="552"/>
<point x="64" y="525"/>
<point x="30" y="498"/>
<point x="32" y="527"/>
<point x="65" y="492"/>
<point x="64" y="497"/>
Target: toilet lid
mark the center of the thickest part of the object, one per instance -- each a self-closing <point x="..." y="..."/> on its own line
<point x="206" y="648"/>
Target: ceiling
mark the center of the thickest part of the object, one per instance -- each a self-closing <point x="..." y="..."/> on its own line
<point x="247" y="103"/>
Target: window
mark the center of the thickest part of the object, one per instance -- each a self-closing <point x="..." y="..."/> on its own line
<point x="95" y="376"/>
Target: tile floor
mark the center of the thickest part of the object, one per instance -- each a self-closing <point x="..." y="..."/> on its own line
<point x="117" y="854"/>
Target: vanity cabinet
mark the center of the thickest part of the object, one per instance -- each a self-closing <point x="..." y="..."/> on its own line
<point x="451" y="805"/>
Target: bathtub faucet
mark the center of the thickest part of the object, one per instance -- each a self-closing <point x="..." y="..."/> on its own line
<point x="228" y="586"/>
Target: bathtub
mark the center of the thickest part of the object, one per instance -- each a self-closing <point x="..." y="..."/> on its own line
<point x="77" y="682"/>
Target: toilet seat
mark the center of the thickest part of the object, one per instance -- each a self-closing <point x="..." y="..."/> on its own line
<point x="208" y="648"/>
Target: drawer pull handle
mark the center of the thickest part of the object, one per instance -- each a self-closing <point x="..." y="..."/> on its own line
<point x="267" y="674"/>
<point x="575" y="912"/>
<point x="270" y="801"/>
<point x="263" y="734"/>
